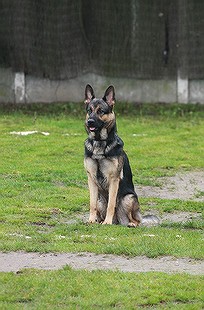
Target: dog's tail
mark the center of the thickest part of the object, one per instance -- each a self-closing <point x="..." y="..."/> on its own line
<point x="150" y="220"/>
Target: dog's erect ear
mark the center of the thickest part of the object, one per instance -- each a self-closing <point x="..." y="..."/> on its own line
<point x="109" y="96"/>
<point x="89" y="94"/>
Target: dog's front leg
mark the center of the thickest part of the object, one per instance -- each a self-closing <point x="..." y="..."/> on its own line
<point x="113" y="191"/>
<point x="93" y="190"/>
<point x="91" y="169"/>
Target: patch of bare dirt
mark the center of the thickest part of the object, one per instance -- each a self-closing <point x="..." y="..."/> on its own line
<point x="184" y="186"/>
<point x="181" y="217"/>
<point x="175" y="217"/>
<point x="16" y="261"/>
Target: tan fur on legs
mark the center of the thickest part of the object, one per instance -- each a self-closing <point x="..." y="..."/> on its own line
<point x="91" y="168"/>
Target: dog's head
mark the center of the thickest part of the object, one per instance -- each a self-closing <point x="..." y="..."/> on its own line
<point x="100" y="117"/>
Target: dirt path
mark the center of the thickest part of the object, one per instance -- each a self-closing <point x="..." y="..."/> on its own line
<point x="16" y="261"/>
<point x="184" y="186"/>
<point x="188" y="186"/>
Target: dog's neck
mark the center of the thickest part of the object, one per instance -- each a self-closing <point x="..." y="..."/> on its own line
<point x="98" y="148"/>
<point x="101" y="135"/>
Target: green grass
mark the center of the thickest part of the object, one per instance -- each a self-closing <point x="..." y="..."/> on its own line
<point x="43" y="185"/>
<point x="45" y="237"/>
<point x="69" y="289"/>
<point x="43" y="182"/>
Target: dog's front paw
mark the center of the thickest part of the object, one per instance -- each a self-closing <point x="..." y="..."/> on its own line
<point x="107" y="222"/>
<point x="92" y="219"/>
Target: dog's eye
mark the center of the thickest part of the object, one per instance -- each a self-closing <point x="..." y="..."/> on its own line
<point x="89" y="111"/>
<point x="100" y="111"/>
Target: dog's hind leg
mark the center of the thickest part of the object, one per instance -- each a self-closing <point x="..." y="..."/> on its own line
<point x="135" y="215"/>
<point x="128" y="212"/>
<point x="101" y="209"/>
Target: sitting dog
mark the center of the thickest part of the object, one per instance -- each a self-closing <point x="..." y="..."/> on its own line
<point x="113" y="199"/>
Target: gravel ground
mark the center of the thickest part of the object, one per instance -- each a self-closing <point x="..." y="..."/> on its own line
<point x="15" y="261"/>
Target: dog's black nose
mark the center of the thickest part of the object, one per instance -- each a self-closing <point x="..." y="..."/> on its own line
<point x="90" y="122"/>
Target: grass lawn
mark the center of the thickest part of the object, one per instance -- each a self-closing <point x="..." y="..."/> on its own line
<point x="70" y="289"/>
<point x="43" y="184"/>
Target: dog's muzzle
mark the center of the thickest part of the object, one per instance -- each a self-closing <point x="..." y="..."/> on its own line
<point x="91" y="124"/>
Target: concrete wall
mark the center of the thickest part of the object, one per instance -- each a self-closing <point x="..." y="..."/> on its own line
<point x="18" y="88"/>
<point x="7" y="93"/>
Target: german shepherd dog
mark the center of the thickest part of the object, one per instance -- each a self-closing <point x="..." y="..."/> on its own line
<point x="113" y="199"/>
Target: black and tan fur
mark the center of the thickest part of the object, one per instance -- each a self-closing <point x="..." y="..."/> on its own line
<point x="112" y="196"/>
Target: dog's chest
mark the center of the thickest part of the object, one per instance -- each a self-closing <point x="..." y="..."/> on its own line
<point x="99" y="149"/>
<point x="108" y="171"/>
<point x="103" y="171"/>
<point x="101" y="180"/>
<point x="96" y="148"/>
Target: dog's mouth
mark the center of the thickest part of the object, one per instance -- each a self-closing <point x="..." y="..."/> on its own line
<point x="92" y="129"/>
